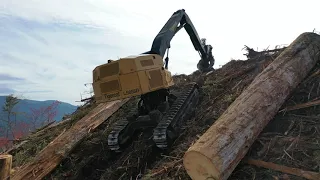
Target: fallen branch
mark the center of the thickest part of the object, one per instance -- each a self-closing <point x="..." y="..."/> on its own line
<point x="301" y="106"/>
<point x="87" y="99"/>
<point x="294" y="171"/>
<point x="61" y="146"/>
<point x="165" y="168"/>
<point x="16" y="147"/>
<point x="313" y="75"/>
<point x="43" y="127"/>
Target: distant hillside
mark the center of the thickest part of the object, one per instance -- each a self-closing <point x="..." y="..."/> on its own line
<point x="25" y="105"/>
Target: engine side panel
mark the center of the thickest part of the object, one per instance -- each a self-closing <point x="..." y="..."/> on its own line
<point x="130" y="76"/>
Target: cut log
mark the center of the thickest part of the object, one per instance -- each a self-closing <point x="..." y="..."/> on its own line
<point x="5" y="166"/>
<point x="60" y="147"/>
<point x="219" y="150"/>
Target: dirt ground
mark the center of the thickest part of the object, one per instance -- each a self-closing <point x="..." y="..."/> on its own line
<point x="291" y="138"/>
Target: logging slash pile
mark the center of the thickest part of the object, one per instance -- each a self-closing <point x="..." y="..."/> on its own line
<point x="291" y="138"/>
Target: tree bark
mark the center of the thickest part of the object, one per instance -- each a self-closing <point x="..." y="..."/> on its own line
<point x="5" y="166"/>
<point x="60" y="147"/>
<point x="219" y="150"/>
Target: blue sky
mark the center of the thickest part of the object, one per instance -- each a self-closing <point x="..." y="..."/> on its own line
<point x="49" y="48"/>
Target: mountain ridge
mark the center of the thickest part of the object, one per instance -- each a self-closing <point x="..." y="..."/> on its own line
<point x="25" y="105"/>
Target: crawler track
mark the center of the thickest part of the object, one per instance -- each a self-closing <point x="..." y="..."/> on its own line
<point x="166" y="125"/>
<point x="169" y="126"/>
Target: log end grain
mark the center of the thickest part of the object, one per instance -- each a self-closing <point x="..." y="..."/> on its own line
<point x="199" y="166"/>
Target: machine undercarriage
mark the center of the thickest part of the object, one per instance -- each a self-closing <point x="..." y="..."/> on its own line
<point x="159" y="110"/>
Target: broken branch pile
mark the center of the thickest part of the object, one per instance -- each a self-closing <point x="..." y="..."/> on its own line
<point x="252" y="54"/>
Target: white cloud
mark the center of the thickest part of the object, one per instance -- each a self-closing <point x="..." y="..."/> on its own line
<point x="55" y="44"/>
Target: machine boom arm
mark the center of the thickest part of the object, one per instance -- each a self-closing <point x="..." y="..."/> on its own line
<point x="162" y="41"/>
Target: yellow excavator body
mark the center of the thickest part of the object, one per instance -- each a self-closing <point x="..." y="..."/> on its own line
<point x="130" y="76"/>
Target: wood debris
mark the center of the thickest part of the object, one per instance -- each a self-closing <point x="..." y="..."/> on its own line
<point x="60" y="147"/>
<point x="289" y="170"/>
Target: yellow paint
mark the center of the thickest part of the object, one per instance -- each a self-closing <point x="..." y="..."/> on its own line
<point x="130" y="76"/>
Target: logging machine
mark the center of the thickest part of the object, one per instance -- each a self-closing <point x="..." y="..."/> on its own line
<point x="146" y="75"/>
